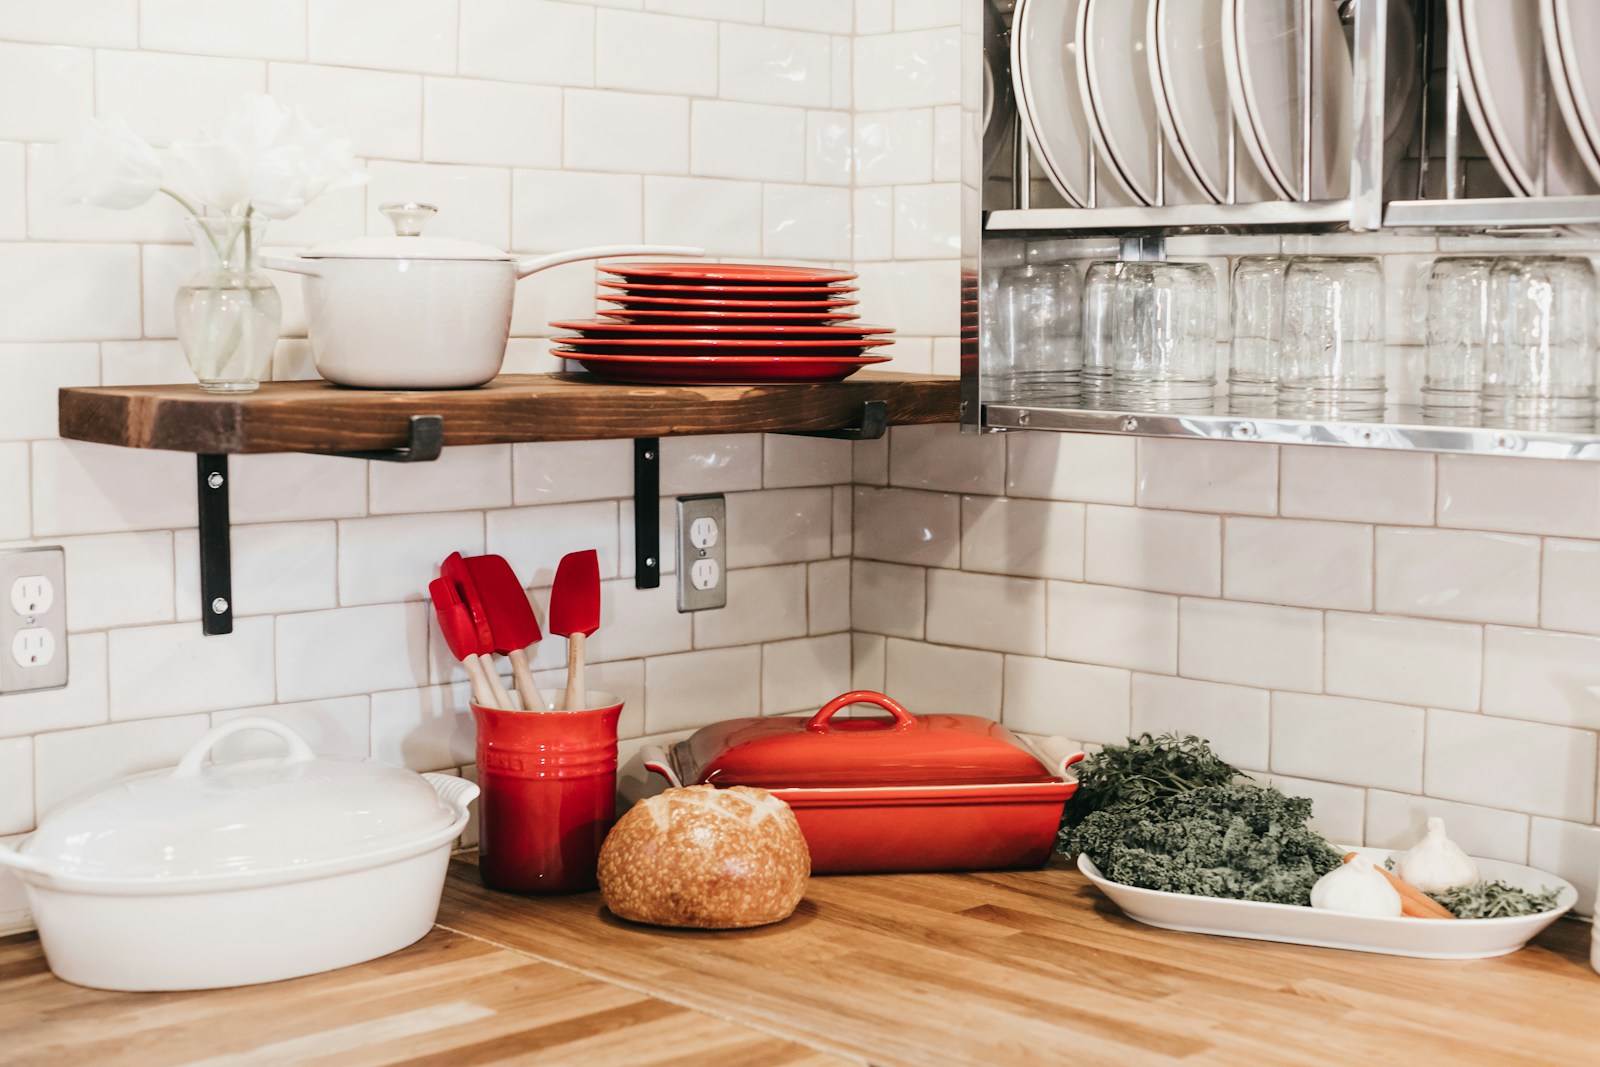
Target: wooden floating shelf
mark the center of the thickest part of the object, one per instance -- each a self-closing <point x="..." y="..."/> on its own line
<point x="319" y="417"/>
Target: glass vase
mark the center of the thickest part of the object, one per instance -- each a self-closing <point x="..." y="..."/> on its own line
<point x="228" y="312"/>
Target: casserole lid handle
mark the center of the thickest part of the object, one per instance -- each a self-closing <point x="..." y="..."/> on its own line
<point x="194" y="759"/>
<point x="902" y="717"/>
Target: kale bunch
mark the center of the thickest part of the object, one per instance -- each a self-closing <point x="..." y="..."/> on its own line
<point x="1146" y="769"/>
<point x="1237" y="840"/>
<point x="1495" y="900"/>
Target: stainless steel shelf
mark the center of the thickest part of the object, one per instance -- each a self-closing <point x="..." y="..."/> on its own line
<point x="1274" y="215"/>
<point x="1402" y="429"/>
<point x="1521" y="212"/>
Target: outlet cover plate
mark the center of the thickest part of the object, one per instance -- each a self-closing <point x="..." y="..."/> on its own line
<point x="702" y="539"/>
<point x="48" y="563"/>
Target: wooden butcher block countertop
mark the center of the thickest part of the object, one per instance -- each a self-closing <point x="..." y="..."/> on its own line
<point x="984" y="968"/>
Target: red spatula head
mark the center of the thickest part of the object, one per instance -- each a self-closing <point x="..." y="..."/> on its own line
<point x="454" y="569"/>
<point x="505" y="603"/>
<point x="575" y="597"/>
<point x="454" y="621"/>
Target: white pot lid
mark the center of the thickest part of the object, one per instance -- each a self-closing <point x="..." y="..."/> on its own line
<point x="245" y="816"/>
<point x="407" y="242"/>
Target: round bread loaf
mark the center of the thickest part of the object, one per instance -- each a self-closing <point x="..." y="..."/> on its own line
<point x="705" y="857"/>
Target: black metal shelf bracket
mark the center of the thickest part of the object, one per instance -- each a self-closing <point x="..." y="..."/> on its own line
<point x="647" y="512"/>
<point x="424" y="443"/>
<point x="216" y="552"/>
<point x="874" y="424"/>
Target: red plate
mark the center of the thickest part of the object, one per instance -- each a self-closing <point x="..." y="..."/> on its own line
<point x="731" y="345"/>
<point x="635" y="330"/>
<point x="782" y="306"/>
<point x="663" y="317"/>
<point x="721" y="370"/>
<point x="751" y="273"/>
<point x="733" y="292"/>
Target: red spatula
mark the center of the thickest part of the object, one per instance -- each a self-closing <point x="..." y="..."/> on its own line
<point x="454" y="569"/>
<point x="575" y="614"/>
<point x="511" y="620"/>
<point x="455" y="622"/>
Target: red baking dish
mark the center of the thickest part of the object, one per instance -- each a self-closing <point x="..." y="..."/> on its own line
<point x="902" y="793"/>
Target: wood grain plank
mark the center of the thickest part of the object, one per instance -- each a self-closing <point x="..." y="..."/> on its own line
<point x="320" y="417"/>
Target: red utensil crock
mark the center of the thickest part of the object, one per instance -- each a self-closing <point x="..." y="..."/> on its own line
<point x="549" y="781"/>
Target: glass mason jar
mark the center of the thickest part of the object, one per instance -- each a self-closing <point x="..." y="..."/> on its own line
<point x="228" y="312"/>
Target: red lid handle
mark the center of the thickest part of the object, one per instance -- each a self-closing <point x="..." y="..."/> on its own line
<point x="819" y="721"/>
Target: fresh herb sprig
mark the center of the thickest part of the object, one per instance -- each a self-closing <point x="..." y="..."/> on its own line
<point x="1144" y="770"/>
<point x="1495" y="900"/>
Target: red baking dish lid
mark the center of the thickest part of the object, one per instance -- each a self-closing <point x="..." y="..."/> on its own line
<point x="824" y="751"/>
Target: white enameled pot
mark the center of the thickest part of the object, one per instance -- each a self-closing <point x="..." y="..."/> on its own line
<point x="414" y="312"/>
<point x="226" y="874"/>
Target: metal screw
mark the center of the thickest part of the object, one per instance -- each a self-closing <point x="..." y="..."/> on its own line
<point x="1130" y="424"/>
<point x="219" y="606"/>
<point x="650" y="561"/>
<point x="214" y="480"/>
<point x="1022" y="418"/>
<point x="649" y="455"/>
<point x="1244" y="431"/>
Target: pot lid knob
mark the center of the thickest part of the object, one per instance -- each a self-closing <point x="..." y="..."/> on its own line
<point x="408" y="218"/>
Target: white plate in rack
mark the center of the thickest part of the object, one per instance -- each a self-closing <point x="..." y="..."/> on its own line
<point x="1572" y="49"/>
<point x="1434" y="939"/>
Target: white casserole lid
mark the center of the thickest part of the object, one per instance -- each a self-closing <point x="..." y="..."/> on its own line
<point x="252" y="816"/>
<point x="407" y="241"/>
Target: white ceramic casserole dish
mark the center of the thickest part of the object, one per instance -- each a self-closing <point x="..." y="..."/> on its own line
<point x="225" y="874"/>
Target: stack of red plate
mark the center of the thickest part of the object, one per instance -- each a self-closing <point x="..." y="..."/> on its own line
<point x="731" y="323"/>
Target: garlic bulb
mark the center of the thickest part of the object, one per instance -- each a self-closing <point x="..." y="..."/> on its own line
<point x="1437" y="863"/>
<point x="1356" y="887"/>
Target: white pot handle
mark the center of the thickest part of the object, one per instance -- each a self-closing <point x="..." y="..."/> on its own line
<point x="457" y="792"/>
<point x="292" y="264"/>
<point x="189" y="766"/>
<point x="655" y="758"/>
<point x="527" y="265"/>
<point x="10" y="857"/>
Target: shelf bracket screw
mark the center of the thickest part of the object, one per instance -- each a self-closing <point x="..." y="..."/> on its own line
<point x="219" y="606"/>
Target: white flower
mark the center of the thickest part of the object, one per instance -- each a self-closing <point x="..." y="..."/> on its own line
<point x="108" y="165"/>
<point x="213" y="174"/>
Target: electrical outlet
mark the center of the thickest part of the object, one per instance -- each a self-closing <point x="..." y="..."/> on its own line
<point x="702" y="552"/>
<point x="33" y="620"/>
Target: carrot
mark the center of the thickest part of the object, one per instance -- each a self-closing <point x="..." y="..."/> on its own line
<point x="1413" y="901"/>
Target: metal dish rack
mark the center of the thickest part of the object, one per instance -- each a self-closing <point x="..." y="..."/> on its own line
<point x="1001" y="224"/>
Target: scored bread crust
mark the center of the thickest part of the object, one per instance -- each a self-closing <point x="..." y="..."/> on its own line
<point x="705" y="857"/>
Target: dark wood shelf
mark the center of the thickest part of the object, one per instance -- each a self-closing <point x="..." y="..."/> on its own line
<point x="319" y="417"/>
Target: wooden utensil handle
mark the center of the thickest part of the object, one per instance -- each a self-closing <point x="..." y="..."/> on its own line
<point x="496" y="686"/>
<point x="532" y="699"/>
<point x="575" y="690"/>
<point x="482" y="695"/>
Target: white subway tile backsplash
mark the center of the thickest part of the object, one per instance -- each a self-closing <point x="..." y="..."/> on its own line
<point x="805" y="674"/>
<point x="553" y="294"/>
<point x="779" y="526"/>
<point x="83" y="702"/>
<point x="787" y="460"/>
<point x="1251" y="644"/>
<point x="51" y="218"/>
<point x="107" y="23"/>
<point x="887" y="598"/>
<point x="389" y="34"/>
<point x="908" y="526"/>
<point x="947" y="140"/>
<point x="872" y="231"/>
<point x="926" y="14"/>
<point x="81" y="488"/>
<point x="46" y="92"/>
<point x="827" y="16"/>
<point x="528" y="41"/>
<point x="119" y="579"/>
<point x="1543" y="676"/>
<point x="986" y="611"/>
<point x="339" y="728"/>
<point x="68" y="292"/>
<point x="894" y="147"/>
<point x="896" y="294"/>
<point x="1469" y="756"/>
<point x="915" y="69"/>
<point x="286" y="486"/>
<point x="1357" y="742"/>
<point x="69" y="762"/>
<point x="1570" y="577"/>
<point x="425" y="729"/>
<point x="1399" y="821"/>
<point x="934" y="678"/>
<point x="775" y="66"/>
<point x="13" y="192"/>
<point x="628" y="132"/>
<point x="39" y="370"/>
<point x="927" y="221"/>
<point x="16" y="785"/>
<point x="843" y="90"/>
<point x="867" y="661"/>
<point x="391" y="558"/>
<point x="736" y="10"/>
<point x="1232" y="718"/>
<point x="472" y="477"/>
<point x="828" y="596"/>
<point x="268" y="29"/>
<point x="1570" y="851"/>
<point x="1116" y="627"/>
<point x="14" y="519"/>
<point x="464" y="121"/>
<point x="634" y="623"/>
<point x="1495" y="493"/>
<point x="1027" y="538"/>
<point x="156" y="671"/>
<point x="351" y="650"/>
<point x="696" y="688"/>
<point x="1447" y="574"/>
<point x="655" y="53"/>
<point x="1074" y="700"/>
<point x="534" y="539"/>
<point x="559" y="472"/>
<point x="277" y="567"/>
<point x="474" y="202"/>
<point x="1337" y="811"/>
<point x="1097" y="468"/>
<point x="723" y="217"/>
<point x="167" y="97"/>
<point x="1408" y="660"/>
<point x="874" y="16"/>
<point x="1208" y="476"/>
<point x="144" y="363"/>
<point x="938" y="457"/>
<point x="1304" y="564"/>
<point x="806" y="222"/>
<point x="829" y="155"/>
<point x="556" y="209"/>
<point x="1167" y="552"/>
<point x="722" y="463"/>
<point x="764" y="604"/>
